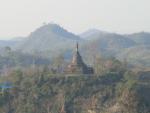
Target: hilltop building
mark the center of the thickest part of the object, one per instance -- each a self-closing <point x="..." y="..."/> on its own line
<point x="77" y="66"/>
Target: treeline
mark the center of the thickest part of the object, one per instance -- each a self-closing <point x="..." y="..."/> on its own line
<point x="10" y="60"/>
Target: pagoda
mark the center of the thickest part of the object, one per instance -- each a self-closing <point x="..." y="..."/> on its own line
<point x="77" y="66"/>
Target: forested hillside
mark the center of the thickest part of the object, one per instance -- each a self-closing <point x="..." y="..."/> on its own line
<point x="43" y="92"/>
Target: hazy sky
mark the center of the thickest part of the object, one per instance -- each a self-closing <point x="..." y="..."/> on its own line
<point x="20" y="17"/>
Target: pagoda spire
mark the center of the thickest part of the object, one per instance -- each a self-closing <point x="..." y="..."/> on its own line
<point x="77" y="46"/>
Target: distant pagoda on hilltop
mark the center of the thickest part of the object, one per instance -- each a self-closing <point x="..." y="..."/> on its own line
<point x="77" y="66"/>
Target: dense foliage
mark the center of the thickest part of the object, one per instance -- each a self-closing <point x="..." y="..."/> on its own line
<point x="42" y="92"/>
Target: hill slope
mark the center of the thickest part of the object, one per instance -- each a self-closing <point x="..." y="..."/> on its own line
<point x="142" y="38"/>
<point x="48" y="38"/>
<point x="134" y="47"/>
<point x="107" y="43"/>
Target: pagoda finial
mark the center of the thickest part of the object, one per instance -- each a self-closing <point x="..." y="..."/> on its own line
<point x="77" y="46"/>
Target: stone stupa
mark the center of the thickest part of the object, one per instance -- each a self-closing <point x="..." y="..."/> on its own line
<point x="77" y="66"/>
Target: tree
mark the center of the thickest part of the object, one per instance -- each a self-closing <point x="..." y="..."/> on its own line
<point x="99" y="65"/>
<point x="59" y="63"/>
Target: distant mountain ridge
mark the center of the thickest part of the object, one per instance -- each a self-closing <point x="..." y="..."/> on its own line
<point x="142" y="38"/>
<point x="53" y="40"/>
<point x="10" y="43"/>
<point x="133" y="47"/>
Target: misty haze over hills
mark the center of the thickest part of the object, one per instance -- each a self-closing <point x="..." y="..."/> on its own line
<point x="53" y="40"/>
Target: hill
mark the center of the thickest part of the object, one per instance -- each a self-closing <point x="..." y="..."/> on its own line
<point x="49" y="38"/>
<point x="133" y="47"/>
<point x="108" y="44"/>
<point x="137" y="55"/>
<point x="142" y="38"/>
